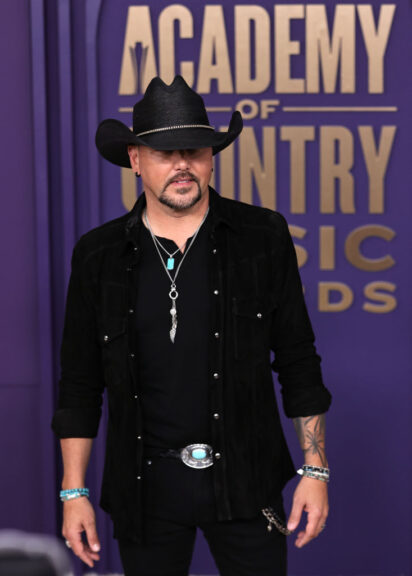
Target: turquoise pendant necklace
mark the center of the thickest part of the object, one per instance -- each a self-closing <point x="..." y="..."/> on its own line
<point x="173" y="293"/>
<point x="170" y="260"/>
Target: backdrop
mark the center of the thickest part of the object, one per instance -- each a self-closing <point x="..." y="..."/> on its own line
<point x="325" y="91"/>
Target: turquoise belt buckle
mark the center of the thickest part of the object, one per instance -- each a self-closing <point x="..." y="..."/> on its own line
<point x="197" y="455"/>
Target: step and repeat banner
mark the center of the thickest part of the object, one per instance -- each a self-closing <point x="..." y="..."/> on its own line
<point x="325" y="93"/>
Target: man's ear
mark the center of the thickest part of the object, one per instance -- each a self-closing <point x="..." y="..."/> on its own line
<point x="133" y="152"/>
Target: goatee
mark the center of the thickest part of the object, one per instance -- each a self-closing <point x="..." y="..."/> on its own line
<point x="182" y="203"/>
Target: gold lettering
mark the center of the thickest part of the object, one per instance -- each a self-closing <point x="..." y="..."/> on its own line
<point x="248" y="108"/>
<point x="251" y="167"/>
<point x="301" y="252"/>
<point x="327" y="243"/>
<point x="285" y="48"/>
<point x="167" y="45"/>
<point x="353" y="246"/>
<point x="323" y="53"/>
<point x="376" y="42"/>
<point x="214" y="60"/>
<point x="373" y="291"/>
<point x="376" y="160"/>
<point x="325" y="289"/>
<point x="134" y="75"/>
<point x="267" y="106"/>
<point x="297" y="137"/>
<point x="333" y="170"/>
<point x="245" y="18"/>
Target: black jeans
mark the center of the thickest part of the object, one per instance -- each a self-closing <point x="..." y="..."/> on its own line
<point x="178" y="501"/>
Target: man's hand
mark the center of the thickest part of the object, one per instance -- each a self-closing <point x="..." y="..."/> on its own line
<point x="78" y="517"/>
<point x="311" y="495"/>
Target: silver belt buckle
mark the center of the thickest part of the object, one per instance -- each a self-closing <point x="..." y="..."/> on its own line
<point x="197" y="455"/>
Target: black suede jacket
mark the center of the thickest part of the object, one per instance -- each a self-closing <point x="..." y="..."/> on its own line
<point x="258" y="306"/>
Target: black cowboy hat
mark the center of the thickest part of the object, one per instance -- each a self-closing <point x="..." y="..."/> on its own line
<point x="166" y="118"/>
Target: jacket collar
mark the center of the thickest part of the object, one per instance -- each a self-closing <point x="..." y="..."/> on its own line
<point x="219" y="210"/>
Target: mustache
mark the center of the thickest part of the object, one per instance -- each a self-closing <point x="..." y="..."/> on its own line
<point x="182" y="176"/>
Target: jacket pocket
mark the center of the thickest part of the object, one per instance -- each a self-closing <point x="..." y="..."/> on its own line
<point x="114" y="344"/>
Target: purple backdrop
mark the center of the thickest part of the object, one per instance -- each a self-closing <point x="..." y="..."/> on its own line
<point x="61" y="64"/>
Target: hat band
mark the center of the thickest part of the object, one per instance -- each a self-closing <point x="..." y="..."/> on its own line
<point x="177" y="127"/>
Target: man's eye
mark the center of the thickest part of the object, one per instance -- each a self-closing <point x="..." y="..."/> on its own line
<point x="165" y="153"/>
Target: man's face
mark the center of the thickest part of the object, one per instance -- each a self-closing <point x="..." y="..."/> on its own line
<point x="176" y="178"/>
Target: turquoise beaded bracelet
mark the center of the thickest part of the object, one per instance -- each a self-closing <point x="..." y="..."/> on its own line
<point x="66" y="495"/>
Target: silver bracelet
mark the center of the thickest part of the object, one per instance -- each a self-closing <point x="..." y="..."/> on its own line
<point x="320" y="469"/>
<point x="315" y="475"/>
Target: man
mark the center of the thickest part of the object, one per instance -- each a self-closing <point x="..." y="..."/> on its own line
<point x="174" y="308"/>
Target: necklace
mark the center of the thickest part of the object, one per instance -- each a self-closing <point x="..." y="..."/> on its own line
<point x="173" y="293"/>
<point x="170" y="260"/>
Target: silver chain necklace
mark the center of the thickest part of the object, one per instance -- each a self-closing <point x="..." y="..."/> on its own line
<point x="171" y="255"/>
<point x="173" y="293"/>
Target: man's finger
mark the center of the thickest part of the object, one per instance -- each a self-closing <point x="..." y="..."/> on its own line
<point x="295" y="515"/>
<point x="321" y="524"/>
<point x="92" y="537"/>
<point x="85" y="556"/>
<point x="79" y="548"/>
<point x="311" y="530"/>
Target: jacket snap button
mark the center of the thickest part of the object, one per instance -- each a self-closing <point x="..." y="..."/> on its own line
<point x="216" y="416"/>
<point x="215" y="375"/>
<point x="218" y="455"/>
<point x="217" y="334"/>
<point x="215" y="292"/>
<point x="259" y="315"/>
<point x="105" y="338"/>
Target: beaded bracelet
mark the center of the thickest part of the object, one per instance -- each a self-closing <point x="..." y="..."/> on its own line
<point x="73" y="493"/>
<point x="315" y="475"/>
<point x="319" y="469"/>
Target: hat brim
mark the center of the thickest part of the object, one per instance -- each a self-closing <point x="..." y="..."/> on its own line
<point x="113" y="137"/>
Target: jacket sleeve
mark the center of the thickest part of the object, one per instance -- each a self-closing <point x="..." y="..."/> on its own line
<point x="81" y="382"/>
<point x="292" y="340"/>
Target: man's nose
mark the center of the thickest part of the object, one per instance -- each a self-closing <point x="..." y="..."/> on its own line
<point x="182" y="158"/>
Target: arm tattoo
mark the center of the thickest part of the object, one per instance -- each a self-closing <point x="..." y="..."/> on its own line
<point x="311" y="434"/>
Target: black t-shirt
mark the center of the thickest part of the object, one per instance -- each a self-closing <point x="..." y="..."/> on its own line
<point x="174" y="376"/>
